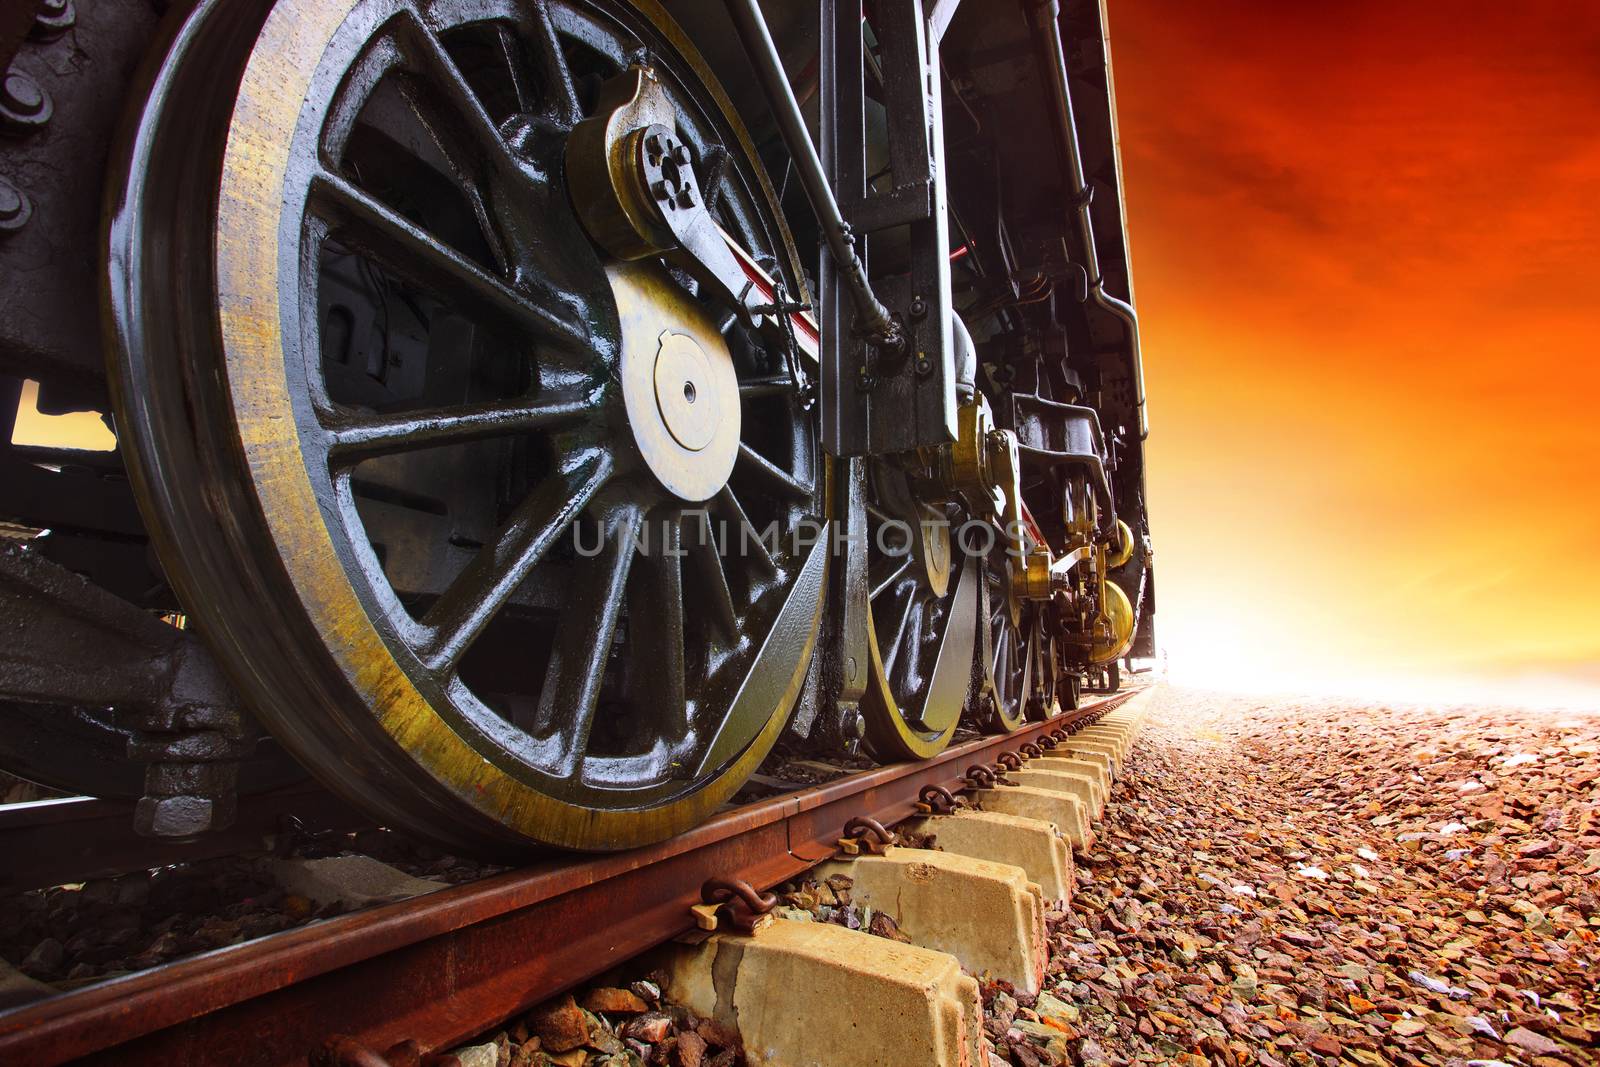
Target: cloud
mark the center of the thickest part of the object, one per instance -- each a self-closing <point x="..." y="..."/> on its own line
<point x="1363" y="241"/>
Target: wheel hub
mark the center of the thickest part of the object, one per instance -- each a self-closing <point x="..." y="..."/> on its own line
<point x="686" y="391"/>
<point x="678" y="382"/>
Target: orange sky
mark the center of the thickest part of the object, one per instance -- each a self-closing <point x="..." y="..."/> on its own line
<point x="1365" y="241"/>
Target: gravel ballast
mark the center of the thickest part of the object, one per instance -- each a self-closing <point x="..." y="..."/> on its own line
<point x="1284" y="881"/>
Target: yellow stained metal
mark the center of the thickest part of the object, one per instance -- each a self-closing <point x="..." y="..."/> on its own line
<point x="1113" y="630"/>
<point x="1031" y="581"/>
<point x="602" y="170"/>
<point x="678" y="382"/>
<point x="1122" y="551"/>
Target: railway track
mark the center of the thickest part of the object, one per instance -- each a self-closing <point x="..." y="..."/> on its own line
<point x="441" y="968"/>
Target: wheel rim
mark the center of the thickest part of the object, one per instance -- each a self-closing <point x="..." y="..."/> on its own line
<point x="623" y="724"/>
<point x="923" y="603"/>
<point x="1041" y="702"/>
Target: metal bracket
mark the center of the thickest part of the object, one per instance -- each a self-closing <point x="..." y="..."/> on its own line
<point x="735" y="899"/>
<point x="879" y="400"/>
<point x="72" y="644"/>
<point x="846" y="639"/>
<point x="1051" y="434"/>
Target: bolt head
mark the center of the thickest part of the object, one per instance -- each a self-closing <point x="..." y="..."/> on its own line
<point x="180" y="816"/>
<point x="15" y="209"/>
<point x="23" y="95"/>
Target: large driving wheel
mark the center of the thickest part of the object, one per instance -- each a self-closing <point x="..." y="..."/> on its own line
<point x="478" y="519"/>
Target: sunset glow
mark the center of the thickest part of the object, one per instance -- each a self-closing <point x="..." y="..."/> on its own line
<point x="1364" y="243"/>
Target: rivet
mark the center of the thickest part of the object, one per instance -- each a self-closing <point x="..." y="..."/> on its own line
<point x="22" y="95"/>
<point x="15" y="208"/>
<point x="55" y="17"/>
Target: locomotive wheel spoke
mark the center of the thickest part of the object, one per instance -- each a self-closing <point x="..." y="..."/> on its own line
<point x="488" y="581"/>
<point x="1001" y="667"/>
<point x="897" y="635"/>
<point x="568" y="110"/>
<point x="749" y="541"/>
<point x="455" y="116"/>
<point x="885" y="572"/>
<point x="770" y="474"/>
<point x="656" y="671"/>
<point x="914" y="641"/>
<point x="571" y="691"/>
<point x="353" y="438"/>
<point x="515" y="69"/>
<point x="404" y="248"/>
<point x="706" y="562"/>
<point x="1003" y="696"/>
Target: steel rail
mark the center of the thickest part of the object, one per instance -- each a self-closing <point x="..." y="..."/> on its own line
<point x="442" y="968"/>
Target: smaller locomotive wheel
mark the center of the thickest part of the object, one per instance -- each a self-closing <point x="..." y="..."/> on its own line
<point x="1007" y="663"/>
<point x="921" y="621"/>
<point x="1043" y="698"/>
<point x="1070" y="694"/>
<point x="472" y="512"/>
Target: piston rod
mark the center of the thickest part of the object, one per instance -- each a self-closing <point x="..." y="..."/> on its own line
<point x="873" y="319"/>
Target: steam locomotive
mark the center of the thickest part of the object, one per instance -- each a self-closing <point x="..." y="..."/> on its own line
<point x="527" y="416"/>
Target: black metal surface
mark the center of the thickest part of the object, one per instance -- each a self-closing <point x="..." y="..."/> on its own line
<point x="843" y="661"/>
<point x="1047" y="14"/>
<point x="70" y="642"/>
<point x="872" y="319"/>
<point x="1006" y="651"/>
<point x="922" y="593"/>
<point x="1051" y="434"/>
<point x="879" y="399"/>
<point x="49" y="268"/>
<point x="51" y="842"/>
<point x="97" y="691"/>
<point x="81" y="750"/>
<point x="439" y="250"/>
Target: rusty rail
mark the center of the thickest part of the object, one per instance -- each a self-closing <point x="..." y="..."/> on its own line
<point x="441" y="968"/>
